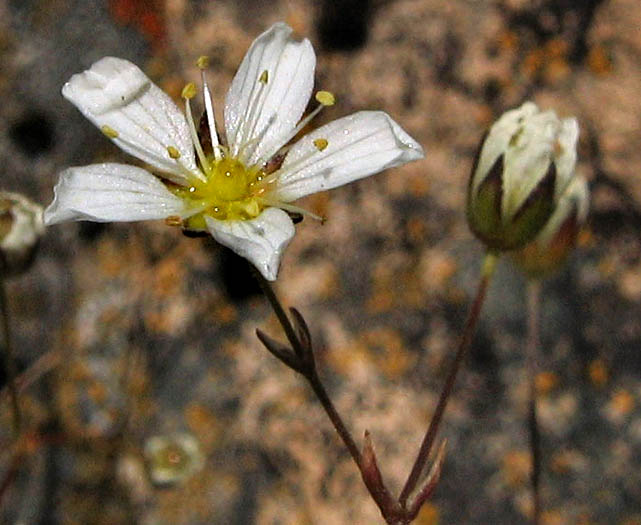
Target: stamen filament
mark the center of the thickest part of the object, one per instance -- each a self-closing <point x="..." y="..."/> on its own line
<point x="186" y="171"/>
<point x="306" y="120"/>
<point x="250" y="120"/>
<point x="291" y="208"/>
<point x="194" y="137"/>
<point x="211" y="118"/>
<point x="325" y="98"/>
<point x="280" y="172"/>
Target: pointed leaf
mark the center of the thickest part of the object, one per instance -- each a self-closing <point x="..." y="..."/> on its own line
<point x="302" y="330"/>
<point x="426" y="488"/>
<point x="280" y="350"/>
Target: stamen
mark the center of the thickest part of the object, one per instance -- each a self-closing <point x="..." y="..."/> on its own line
<point x="203" y="63"/>
<point x="280" y="172"/>
<point x="110" y="132"/>
<point x="173" y="152"/>
<point x="320" y="144"/>
<point x="292" y="208"/>
<point x="173" y="220"/>
<point x="189" y="92"/>
<point x="324" y="98"/>
<point x="250" y="121"/>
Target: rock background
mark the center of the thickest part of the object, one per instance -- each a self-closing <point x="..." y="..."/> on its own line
<point x="127" y="331"/>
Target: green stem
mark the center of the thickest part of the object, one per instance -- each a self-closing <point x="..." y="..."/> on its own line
<point x="10" y="364"/>
<point x="533" y="293"/>
<point x="487" y="270"/>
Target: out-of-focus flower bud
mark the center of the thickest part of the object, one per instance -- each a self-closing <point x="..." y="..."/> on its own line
<point x="524" y="164"/>
<point x="173" y="459"/>
<point x="21" y="227"/>
<point x="555" y="241"/>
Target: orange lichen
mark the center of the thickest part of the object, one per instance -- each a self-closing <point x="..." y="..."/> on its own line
<point x="381" y="301"/>
<point x="145" y="15"/>
<point x="552" y="517"/>
<point x="516" y="467"/>
<point x="204" y="424"/>
<point x="599" y="61"/>
<point x="598" y="373"/>
<point x="428" y="515"/>
<point x="388" y="351"/>
<point x="225" y="313"/>
<point x="507" y="41"/>
<point x="621" y="404"/>
<point x="546" y="382"/>
<point x="565" y="461"/>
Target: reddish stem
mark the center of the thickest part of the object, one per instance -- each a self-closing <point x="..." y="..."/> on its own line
<point x="489" y="264"/>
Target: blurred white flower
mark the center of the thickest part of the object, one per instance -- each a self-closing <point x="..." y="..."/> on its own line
<point x="21" y="227"/>
<point x="238" y="190"/>
<point x="174" y="458"/>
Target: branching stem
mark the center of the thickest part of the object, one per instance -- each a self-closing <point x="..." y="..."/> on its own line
<point x="310" y="373"/>
<point x="300" y="358"/>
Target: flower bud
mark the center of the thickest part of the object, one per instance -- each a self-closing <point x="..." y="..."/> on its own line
<point x="173" y="459"/>
<point x="555" y="241"/>
<point x="523" y="166"/>
<point x="21" y="227"/>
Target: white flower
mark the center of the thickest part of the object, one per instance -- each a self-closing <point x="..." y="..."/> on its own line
<point x="239" y="191"/>
<point x="21" y="228"/>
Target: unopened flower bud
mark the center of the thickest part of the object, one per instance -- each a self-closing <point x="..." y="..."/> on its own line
<point x="555" y="241"/>
<point x="523" y="166"/>
<point x="173" y="459"/>
<point x="21" y="227"/>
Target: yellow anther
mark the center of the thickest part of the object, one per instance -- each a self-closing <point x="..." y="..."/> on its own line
<point x="173" y="152"/>
<point x="264" y="77"/>
<point x="326" y="98"/>
<point x="320" y="144"/>
<point x="189" y="91"/>
<point x="202" y="62"/>
<point x="109" y="132"/>
<point x="173" y="220"/>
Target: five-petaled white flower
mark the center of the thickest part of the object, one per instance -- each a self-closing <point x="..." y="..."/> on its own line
<point x="239" y="191"/>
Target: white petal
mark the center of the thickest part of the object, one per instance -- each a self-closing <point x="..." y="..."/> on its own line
<point x="565" y="160"/>
<point x="261" y="241"/>
<point x="528" y="160"/>
<point x="117" y="94"/>
<point x="575" y="199"/>
<point x="110" y="192"/>
<point x="267" y="113"/>
<point x="357" y="146"/>
<point x="498" y="139"/>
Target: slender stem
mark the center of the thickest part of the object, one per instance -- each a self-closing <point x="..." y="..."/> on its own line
<point x="10" y="364"/>
<point x="310" y="374"/>
<point x="532" y="348"/>
<point x="332" y="413"/>
<point x="489" y="264"/>
<point x="284" y="321"/>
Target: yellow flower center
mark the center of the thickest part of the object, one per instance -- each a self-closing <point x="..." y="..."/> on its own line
<point x="230" y="192"/>
<point x="224" y="188"/>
